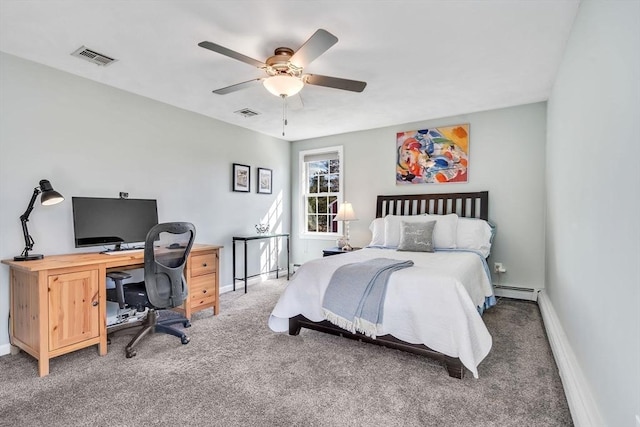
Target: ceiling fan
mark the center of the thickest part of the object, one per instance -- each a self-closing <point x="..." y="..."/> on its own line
<point x="285" y="68"/>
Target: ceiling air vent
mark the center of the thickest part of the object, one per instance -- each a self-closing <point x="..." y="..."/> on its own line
<point x="246" y="112"/>
<point x="93" y="56"/>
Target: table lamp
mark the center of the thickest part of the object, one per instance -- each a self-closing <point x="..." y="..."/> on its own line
<point x="346" y="214"/>
<point x="49" y="197"/>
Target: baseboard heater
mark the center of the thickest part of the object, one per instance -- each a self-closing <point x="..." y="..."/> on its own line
<point x="515" y="292"/>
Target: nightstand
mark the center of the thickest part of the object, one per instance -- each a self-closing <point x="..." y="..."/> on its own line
<point x="336" y="251"/>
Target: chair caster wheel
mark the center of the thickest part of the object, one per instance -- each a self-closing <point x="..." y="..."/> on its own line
<point x="185" y="340"/>
<point x="186" y="324"/>
<point x="130" y="353"/>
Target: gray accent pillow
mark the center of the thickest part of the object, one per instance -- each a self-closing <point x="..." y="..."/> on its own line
<point x="416" y="236"/>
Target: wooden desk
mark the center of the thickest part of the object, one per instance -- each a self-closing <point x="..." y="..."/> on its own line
<point x="58" y="304"/>
<point x="246" y="239"/>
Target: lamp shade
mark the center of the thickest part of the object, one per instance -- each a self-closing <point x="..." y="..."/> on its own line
<point x="49" y="195"/>
<point x="283" y="85"/>
<point x="345" y="213"/>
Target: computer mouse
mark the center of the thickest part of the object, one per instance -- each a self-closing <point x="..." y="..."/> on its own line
<point x="175" y="246"/>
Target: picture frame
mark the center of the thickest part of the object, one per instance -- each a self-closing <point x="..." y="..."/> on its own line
<point x="437" y="155"/>
<point x="265" y="181"/>
<point x="241" y="177"/>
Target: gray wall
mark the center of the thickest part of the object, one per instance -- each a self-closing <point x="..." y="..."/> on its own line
<point x="92" y="140"/>
<point x="593" y="188"/>
<point x="507" y="154"/>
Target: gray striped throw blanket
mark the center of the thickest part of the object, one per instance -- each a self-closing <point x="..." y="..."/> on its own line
<point x="355" y="295"/>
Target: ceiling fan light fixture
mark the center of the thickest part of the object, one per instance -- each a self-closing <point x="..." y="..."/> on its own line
<point x="283" y="85"/>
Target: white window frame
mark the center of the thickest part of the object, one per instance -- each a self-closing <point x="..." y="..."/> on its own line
<point x="304" y="234"/>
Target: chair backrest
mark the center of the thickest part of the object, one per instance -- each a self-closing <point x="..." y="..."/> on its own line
<point x="166" y="249"/>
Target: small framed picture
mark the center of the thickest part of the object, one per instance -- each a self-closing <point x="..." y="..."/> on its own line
<point x="265" y="179"/>
<point x="241" y="176"/>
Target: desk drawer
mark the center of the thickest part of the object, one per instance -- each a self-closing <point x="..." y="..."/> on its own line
<point x="202" y="290"/>
<point x="202" y="264"/>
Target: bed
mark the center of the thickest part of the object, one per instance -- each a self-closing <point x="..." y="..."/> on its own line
<point x="432" y="308"/>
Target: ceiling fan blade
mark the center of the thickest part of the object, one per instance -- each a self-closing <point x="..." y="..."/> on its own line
<point x="236" y="87"/>
<point x="317" y="44"/>
<point x="335" y="82"/>
<point x="232" y="54"/>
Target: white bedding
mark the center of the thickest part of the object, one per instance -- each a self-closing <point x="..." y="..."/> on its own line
<point x="432" y="303"/>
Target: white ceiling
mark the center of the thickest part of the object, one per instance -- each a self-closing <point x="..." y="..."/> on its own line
<point x="421" y="59"/>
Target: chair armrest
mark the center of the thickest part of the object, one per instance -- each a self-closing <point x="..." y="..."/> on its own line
<point x="118" y="277"/>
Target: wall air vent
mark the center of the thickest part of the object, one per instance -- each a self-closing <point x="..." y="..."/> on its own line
<point x="93" y="56"/>
<point x="246" y="112"/>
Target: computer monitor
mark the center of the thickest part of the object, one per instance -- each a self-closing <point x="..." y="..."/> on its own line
<point x="104" y="221"/>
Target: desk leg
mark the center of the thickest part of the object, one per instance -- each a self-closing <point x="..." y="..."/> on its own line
<point x="234" y="266"/>
<point x="102" y="309"/>
<point x="245" y="266"/>
<point x="288" y="258"/>
<point x="43" y="366"/>
<point x="43" y="322"/>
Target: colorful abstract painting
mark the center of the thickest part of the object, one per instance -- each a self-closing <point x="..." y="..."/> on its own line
<point x="433" y="156"/>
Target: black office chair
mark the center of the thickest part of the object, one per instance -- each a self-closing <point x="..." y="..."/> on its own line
<point x="166" y="249"/>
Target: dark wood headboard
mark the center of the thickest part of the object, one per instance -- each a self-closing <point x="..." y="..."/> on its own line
<point x="470" y="205"/>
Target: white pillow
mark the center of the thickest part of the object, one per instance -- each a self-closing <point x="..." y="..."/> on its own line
<point x="377" y="232"/>
<point x="444" y="234"/>
<point x="474" y="234"/>
<point x="393" y="225"/>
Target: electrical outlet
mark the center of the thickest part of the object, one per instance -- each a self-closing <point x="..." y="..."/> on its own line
<point x="637" y="420"/>
<point x="499" y="268"/>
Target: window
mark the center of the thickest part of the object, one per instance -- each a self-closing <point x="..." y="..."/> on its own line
<point x="321" y="189"/>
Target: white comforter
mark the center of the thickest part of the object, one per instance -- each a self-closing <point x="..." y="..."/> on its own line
<point x="432" y="303"/>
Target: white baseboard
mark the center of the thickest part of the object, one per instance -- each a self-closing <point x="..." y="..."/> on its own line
<point x="516" y="292"/>
<point x="579" y="397"/>
<point x="5" y="349"/>
<point x="253" y="281"/>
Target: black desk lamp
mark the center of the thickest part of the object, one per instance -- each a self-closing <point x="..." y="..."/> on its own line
<point x="49" y="197"/>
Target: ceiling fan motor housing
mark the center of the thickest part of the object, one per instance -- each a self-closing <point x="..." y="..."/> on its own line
<point x="279" y="63"/>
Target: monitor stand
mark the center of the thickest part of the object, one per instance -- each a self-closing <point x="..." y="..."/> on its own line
<point x="118" y="248"/>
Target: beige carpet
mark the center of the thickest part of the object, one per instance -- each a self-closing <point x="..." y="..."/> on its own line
<point x="235" y="371"/>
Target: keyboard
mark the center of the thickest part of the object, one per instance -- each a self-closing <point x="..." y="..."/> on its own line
<point x="123" y="252"/>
